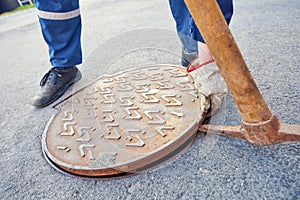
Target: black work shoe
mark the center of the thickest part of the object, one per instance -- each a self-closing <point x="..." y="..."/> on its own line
<point x="54" y="84"/>
<point x="187" y="58"/>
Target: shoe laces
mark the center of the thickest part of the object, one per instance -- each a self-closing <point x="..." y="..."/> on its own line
<point x="50" y="77"/>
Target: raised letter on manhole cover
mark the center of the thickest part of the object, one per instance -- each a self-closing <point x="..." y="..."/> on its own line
<point x="124" y="123"/>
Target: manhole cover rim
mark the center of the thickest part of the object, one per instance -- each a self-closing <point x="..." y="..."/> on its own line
<point x="185" y="135"/>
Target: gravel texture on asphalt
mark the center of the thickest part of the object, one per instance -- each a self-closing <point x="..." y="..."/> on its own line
<point x="119" y="35"/>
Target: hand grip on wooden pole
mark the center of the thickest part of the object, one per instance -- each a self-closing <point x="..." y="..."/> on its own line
<point x="215" y="31"/>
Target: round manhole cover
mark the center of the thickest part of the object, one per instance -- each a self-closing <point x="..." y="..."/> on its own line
<point x="124" y="123"/>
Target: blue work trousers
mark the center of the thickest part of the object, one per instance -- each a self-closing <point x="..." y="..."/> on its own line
<point x="60" y="23"/>
<point x="186" y="27"/>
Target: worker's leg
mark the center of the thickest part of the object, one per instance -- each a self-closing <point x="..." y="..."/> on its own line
<point x="61" y="27"/>
<point x="187" y="30"/>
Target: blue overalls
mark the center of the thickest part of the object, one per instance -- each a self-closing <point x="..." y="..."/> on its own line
<point x="61" y="27"/>
<point x="186" y="27"/>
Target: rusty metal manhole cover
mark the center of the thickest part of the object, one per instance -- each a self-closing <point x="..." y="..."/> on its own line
<point x="124" y="123"/>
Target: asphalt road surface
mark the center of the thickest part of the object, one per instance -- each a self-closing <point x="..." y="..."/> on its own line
<point x="119" y="35"/>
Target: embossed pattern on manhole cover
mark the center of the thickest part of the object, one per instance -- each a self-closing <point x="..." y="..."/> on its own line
<point x="126" y="122"/>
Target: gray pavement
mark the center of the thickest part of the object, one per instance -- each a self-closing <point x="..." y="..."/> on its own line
<point x="119" y="35"/>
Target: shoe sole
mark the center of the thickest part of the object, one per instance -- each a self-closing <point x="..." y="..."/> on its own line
<point x="62" y="90"/>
